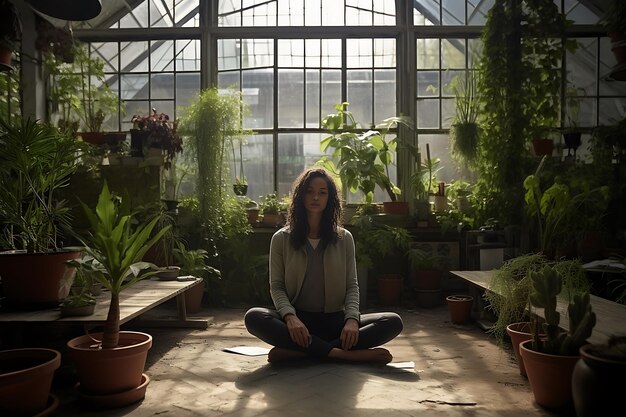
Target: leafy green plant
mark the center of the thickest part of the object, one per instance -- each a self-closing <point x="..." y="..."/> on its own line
<point x="424" y="260"/>
<point x="375" y="241"/>
<point x="362" y="158"/>
<point x="560" y="215"/>
<point x="36" y="162"/>
<point x="193" y="261"/>
<point x="465" y="129"/>
<point x="546" y="286"/>
<point x="118" y="247"/>
<point x="510" y="287"/>
<point x="270" y="204"/>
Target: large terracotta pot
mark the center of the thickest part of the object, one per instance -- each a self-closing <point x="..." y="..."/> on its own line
<point x="25" y="380"/>
<point x="519" y="332"/>
<point x="110" y="371"/>
<point x="36" y="279"/>
<point x="550" y="377"/>
<point x="597" y="382"/>
<point x="396" y="207"/>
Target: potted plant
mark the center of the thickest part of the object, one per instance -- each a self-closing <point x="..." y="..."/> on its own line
<point x="10" y="33"/>
<point x="240" y="186"/>
<point x="571" y="133"/>
<point x="193" y="263"/>
<point x="362" y="159"/>
<point x="423" y="184"/>
<point x="156" y="131"/>
<point x="113" y="366"/>
<point x="465" y="130"/>
<point x="270" y="208"/>
<point x="36" y="162"/>
<point x="426" y="272"/>
<point x="162" y="252"/>
<point x="385" y="247"/>
<point x="550" y="359"/>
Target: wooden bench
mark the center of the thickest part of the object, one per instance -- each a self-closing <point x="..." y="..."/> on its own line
<point x="610" y="316"/>
<point x="134" y="301"/>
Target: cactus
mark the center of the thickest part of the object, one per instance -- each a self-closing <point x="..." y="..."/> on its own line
<point x="546" y="285"/>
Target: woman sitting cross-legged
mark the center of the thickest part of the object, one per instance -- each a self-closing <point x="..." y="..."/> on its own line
<point x="314" y="287"/>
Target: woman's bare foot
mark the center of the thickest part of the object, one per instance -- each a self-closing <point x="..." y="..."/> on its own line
<point x="374" y="355"/>
<point x="277" y="355"/>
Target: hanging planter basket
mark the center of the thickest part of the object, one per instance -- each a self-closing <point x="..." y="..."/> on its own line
<point x="465" y="140"/>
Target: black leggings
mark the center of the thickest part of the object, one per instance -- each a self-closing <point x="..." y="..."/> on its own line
<point x="375" y="329"/>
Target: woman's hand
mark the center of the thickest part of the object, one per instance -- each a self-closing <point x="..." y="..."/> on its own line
<point x="297" y="330"/>
<point x="350" y="334"/>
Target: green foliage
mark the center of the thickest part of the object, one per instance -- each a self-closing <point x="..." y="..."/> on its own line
<point x="78" y="91"/>
<point x="423" y="259"/>
<point x="519" y="90"/>
<point x="162" y="134"/>
<point x="36" y="161"/>
<point x="546" y="286"/>
<point x="374" y="240"/>
<point x="118" y="247"/>
<point x="465" y="130"/>
<point x="270" y="204"/>
<point x="560" y="215"/>
<point x="424" y="179"/>
<point x="510" y="287"/>
<point x="193" y="262"/>
<point x="208" y="124"/>
<point x="362" y="159"/>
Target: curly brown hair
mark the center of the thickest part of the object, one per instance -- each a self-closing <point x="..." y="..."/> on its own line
<point x="297" y="215"/>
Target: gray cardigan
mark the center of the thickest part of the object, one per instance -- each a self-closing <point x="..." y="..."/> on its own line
<point x="288" y="267"/>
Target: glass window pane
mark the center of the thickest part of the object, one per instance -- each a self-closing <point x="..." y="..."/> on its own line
<point x="313" y="53"/>
<point x="134" y="86"/>
<point x="611" y="110"/>
<point x="427" y="83"/>
<point x="258" y="90"/>
<point x="384" y="12"/>
<point x="257" y="53"/>
<point x="331" y="53"/>
<point x="453" y="12"/>
<point x="290" y="98"/>
<point x="331" y="14"/>
<point x="134" y="56"/>
<point x="228" y="54"/>
<point x="228" y="79"/>
<point x="187" y="89"/>
<point x="290" y="12"/>
<point x="359" y="53"/>
<point x="296" y="151"/>
<point x="163" y="106"/>
<point x="439" y="148"/>
<point x="291" y="53"/>
<point x="131" y="108"/>
<point x="188" y="55"/>
<point x="331" y="91"/>
<point x="263" y="13"/>
<point x="313" y="13"/>
<point x="427" y="53"/>
<point x="161" y="13"/>
<point x="447" y="112"/>
<point x="581" y="66"/>
<point x="426" y="13"/>
<point x="427" y="114"/>
<point x="136" y="18"/>
<point x="453" y="53"/>
<point x="384" y="94"/>
<point x="359" y="84"/>
<point x="162" y="56"/>
<point x="107" y="52"/>
<point x="384" y="53"/>
<point x="477" y="12"/>
<point x="229" y="13"/>
<point x="259" y="166"/>
<point x="312" y="99"/>
<point x="186" y="13"/>
<point x="446" y="81"/>
<point x="162" y="86"/>
<point x="358" y="13"/>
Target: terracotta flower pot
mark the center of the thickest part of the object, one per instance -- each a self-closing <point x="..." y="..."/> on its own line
<point x="109" y="371"/>
<point x="543" y="146"/>
<point x="25" y="380"/>
<point x="389" y="289"/>
<point x="519" y="332"/>
<point x="460" y="308"/>
<point x="550" y="377"/>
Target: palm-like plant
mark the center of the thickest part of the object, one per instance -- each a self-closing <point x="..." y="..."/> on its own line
<point x="118" y="247"/>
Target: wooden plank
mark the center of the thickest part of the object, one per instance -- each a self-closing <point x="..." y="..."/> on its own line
<point x="134" y="301"/>
<point x="610" y="316"/>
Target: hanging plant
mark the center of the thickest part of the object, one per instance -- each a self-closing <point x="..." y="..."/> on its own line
<point x="465" y="130"/>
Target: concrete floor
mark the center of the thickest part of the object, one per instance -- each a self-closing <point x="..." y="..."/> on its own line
<point x="458" y="371"/>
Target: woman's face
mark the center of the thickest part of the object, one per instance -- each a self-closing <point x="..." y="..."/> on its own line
<point x="316" y="196"/>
